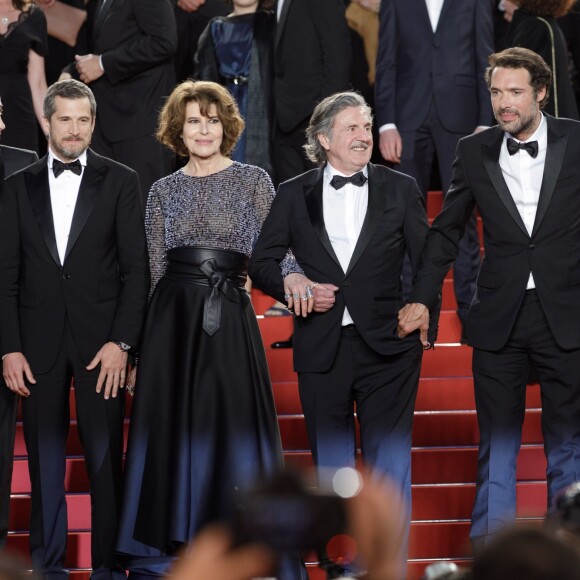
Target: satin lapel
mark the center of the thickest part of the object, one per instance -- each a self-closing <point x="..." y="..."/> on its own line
<point x="39" y="196"/>
<point x="89" y="190"/>
<point x="313" y="198"/>
<point x="552" y="167"/>
<point x="282" y="22"/>
<point x="490" y="154"/>
<point x="102" y="13"/>
<point x="375" y="209"/>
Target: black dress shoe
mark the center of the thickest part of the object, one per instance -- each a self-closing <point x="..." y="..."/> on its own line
<point x="283" y="343"/>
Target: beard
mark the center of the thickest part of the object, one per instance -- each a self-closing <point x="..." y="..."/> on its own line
<point x="69" y="150"/>
<point x="522" y="124"/>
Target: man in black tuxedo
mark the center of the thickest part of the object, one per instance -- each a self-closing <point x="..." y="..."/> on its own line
<point x="429" y="92"/>
<point x="349" y="224"/>
<point x="525" y="178"/>
<point x="312" y="59"/>
<point x="73" y="289"/>
<point x="131" y="71"/>
<point x="11" y="160"/>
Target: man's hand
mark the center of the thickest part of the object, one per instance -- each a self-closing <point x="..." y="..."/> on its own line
<point x="15" y="368"/>
<point x="210" y="557"/>
<point x="113" y="371"/>
<point x="412" y="317"/>
<point x="391" y="145"/>
<point x="298" y="293"/>
<point x="324" y="297"/>
<point x="190" y="5"/>
<point x="89" y="67"/>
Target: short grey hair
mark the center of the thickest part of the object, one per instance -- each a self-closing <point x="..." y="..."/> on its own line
<point x="322" y="121"/>
<point x="67" y="89"/>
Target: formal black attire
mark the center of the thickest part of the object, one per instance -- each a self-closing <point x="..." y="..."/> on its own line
<point x="59" y="314"/>
<point x="204" y="426"/>
<point x="364" y="362"/>
<point x="137" y="42"/>
<point x="542" y="34"/>
<point x="236" y="51"/>
<point x="509" y="326"/>
<point x="11" y="160"/>
<point x="430" y="85"/>
<point x="312" y="61"/>
<point x="27" y="33"/>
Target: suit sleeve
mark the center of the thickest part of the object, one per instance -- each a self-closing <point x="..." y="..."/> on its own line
<point x="483" y="26"/>
<point x="441" y="245"/>
<point x="386" y="68"/>
<point x="132" y="258"/>
<point x="272" y="246"/>
<point x="328" y="17"/>
<point x="205" y="62"/>
<point x="156" y="44"/>
<point x="9" y="270"/>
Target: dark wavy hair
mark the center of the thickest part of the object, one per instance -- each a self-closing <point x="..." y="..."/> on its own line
<point x="517" y="57"/>
<point x="262" y="4"/>
<point x="205" y="94"/>
<point x="553" y="8"/>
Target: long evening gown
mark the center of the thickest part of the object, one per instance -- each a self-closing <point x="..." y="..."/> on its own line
<point x="27" y="33"/>
<point x="203" y="425"/>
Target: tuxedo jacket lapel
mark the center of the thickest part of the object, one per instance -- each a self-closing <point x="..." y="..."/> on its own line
<point x="282" y="22"/>
<point x="91" y="184"/>
<point x="314" y="206"/>
<point x="375" y="210"/>
<point x="39" y="196"/>
<point x="445" y="10"/>
<point x="552" y="167"/>
<point x="490" y="154"/>
<point x="102" y="13"/>
<point x="423" y="15"/>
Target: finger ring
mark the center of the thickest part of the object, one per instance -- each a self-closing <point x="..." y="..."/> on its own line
<point x="304" y="297"/>
<point x="427" y="346"/>
<point x="131" y="389"/>
<point x="309" y="293"/>
<point x="295" y="295"/>
<point x="286" y="296"/>
<point x="314" y="285"/>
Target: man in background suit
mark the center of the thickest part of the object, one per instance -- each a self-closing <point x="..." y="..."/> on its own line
<point x="429" y="92"/>
<point x="131" y="71"/>
<point x="73" y="289"/>
<point x="525" y="178"/>
<point x="312" y="59"/>
<point x="11" y="160"/>
<point x="349" y="224"/>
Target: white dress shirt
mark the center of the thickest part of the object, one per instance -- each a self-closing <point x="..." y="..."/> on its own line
<point x="64" y="191"/>
<point x="434" y="9"/>
<point x="523" y="175"/>
<point x="344" y="211"/>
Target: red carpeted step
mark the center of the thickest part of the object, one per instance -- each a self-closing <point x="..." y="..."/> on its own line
<point x="78" y="511"/>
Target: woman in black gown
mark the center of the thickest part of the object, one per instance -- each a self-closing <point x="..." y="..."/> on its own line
<point x="237" y="52"/>
<point x="203" y="426"/>
<point x="534" y="26"/>
<point x="23" y="41"/>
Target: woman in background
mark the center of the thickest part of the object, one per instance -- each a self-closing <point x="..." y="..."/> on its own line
<point x="203" y="425"/>
<point x="534" y="26"/>
<point x="237" y="52"/>
<point x="23" y="42"/>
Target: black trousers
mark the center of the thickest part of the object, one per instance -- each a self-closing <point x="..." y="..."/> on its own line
<point x="8" y="409"/>
<point x="500" y="387"/>
<point x="289" y="157"/>
<point x="384" y="390"/>
<point x="46" y="420"/>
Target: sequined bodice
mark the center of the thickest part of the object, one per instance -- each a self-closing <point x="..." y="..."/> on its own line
<point x="224" y="210"/>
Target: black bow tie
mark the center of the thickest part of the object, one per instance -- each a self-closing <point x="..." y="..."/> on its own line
<point x="357" y="179"/>
<point x="531" y="147"/>
<point x="58" y="167"/>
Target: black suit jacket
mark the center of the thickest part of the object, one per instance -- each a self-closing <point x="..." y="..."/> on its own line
<point x="552" y="252"/>
<point x="102" y="286"/>
<point x="15" y="159"/>
<point x="371" y="287"/>
<point x="416" y="66"/>
<point x="137" y="40"/>
<point x="312" y="58"/>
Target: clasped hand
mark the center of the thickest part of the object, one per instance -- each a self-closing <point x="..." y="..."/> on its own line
<point x="304" y="296"/>
<point x="413" y="317"/>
